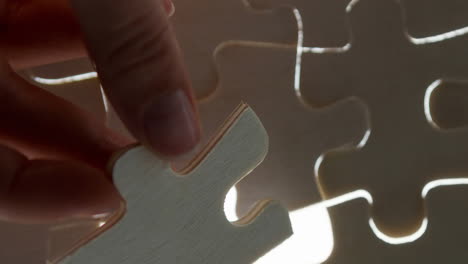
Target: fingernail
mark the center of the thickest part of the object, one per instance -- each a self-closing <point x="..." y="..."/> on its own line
<point x="171" y="125"/>
<point x="169" y="6"/>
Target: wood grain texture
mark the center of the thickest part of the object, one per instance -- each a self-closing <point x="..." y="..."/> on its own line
<point x="179" y="218"/>
<point x="444" y="241"/>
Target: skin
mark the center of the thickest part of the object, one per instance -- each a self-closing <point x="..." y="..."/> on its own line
<point x="53" y="155"/>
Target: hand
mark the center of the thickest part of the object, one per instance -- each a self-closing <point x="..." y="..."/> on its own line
<point x="140" y="68"/>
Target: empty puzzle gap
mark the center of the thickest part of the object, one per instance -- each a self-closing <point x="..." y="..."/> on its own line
<point x="441" y="183"/>
<point x="299" y="51"/>
<point x="440" y="37"/>
<point x="66" y="80"/>
<point x="427" y="102"/>
<point x="358" y="194"/>
<point x="364" y="139"/>
<point x="230" y="204"/>
<point x="318" y="50"/>
<point x="363" y="194"/>
<point x="399" y="240"/>
<point x="311" y="242"/>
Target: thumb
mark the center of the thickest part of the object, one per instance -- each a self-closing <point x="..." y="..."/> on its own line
<point x="141" y="70"/>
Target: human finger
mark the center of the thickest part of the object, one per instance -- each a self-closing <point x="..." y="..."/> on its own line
<point x="35" y="119"/>
<point x="43" y="191"/>
<point x="140" y="67"/>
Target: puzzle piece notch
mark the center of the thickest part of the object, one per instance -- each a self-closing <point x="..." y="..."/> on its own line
<point x="428" y="18"/>
<point x="298" y="134"/>
<point x="173" y="218"/>
<point x="448" y="103"/>
<point x="390" y="74"/>
<point x="444" y="239"/>
<point x="203" y="26"/>
<point x="324" y="21"/>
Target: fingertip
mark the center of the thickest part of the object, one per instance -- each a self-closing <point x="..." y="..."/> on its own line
<point x="171" y="124"/>
<point x="49" y="191"/>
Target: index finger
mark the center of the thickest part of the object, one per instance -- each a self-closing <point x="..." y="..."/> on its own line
<point x="140" y="67"/>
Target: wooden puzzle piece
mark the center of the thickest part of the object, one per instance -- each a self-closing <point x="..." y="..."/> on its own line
<point x="323" y="21"/>
<point x="264" y="77"/>
<point x="391" y="75"/>
<point x="202" y="26"/>
<point x="428" y="18"/>
<point x="178" y="217"/>
<point x="444" y="240"/>
<point x="448" y="105"/>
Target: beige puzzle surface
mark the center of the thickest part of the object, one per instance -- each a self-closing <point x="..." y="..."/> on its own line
<point x="448" y="105"/>
<point x="202" y="26"/>
<point x="264" y="78"/>
<point x="391" y="75"/>
<point x="428" y="18"/>
<point x="175" y="218"/>
<point x="323" y="21"/>
<point x="444" y="240"/>
<point x="23" y="243"/>
<point x="394" y="75"/>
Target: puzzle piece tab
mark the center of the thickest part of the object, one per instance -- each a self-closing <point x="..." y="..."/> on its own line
<point x="323" y="21"/>
<point x="444" y="240"/>
<point x="179" y="218"/>
<point x="264" y="77"/>
<point x="202" y="26"/>
<point x="391" y="75"/>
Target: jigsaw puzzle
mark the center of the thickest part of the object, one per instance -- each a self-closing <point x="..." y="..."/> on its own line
<point x="391" y="75"/>
<point x="323" y="21"/>
<point x="448" y="105"/>
<point x="414" y="90"/>
<point x="264" y="77"/>
<point x="203" y="26"/>
<point x="444" y="240"/>
<point x="428" y="18"/>
<point x="178" y="217"/>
